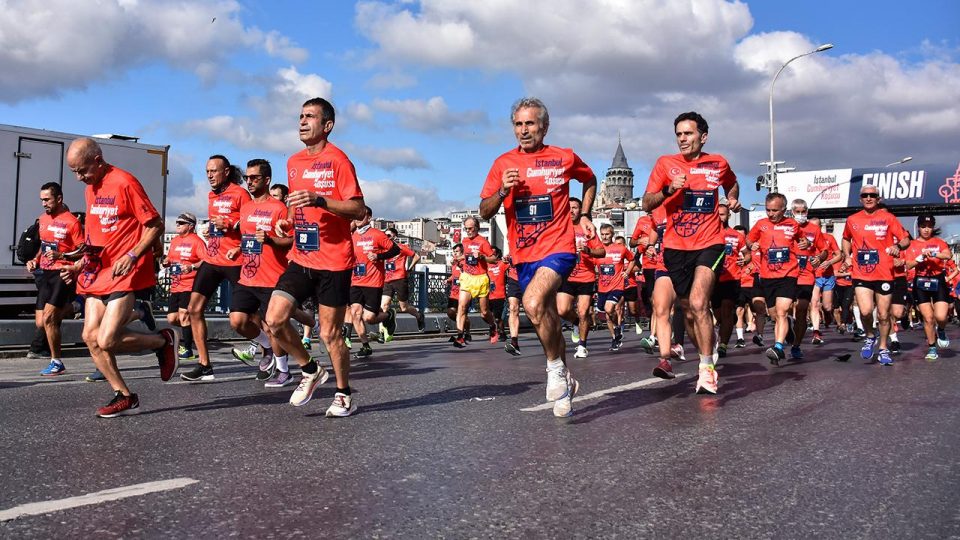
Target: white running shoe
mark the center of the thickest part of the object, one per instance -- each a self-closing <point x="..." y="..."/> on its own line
<point x="639" y="329"/>
<point x="556" y="383"/>
<point x="342" y="406"/>
<point x="581" y="352"/>
<point x="563" y="407"/>
<point x="308" y="384"/>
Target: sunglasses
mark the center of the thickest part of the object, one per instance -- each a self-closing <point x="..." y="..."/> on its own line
<point x="252" y="176"/>
<point x="184" y="223"/>
<point x="869" y="195"/>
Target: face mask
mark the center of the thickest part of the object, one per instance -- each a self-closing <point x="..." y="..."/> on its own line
<point x="800" y="218"/>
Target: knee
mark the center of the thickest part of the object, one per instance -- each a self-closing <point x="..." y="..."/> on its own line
<point x="329" y="333"/>
<point x="237" y="321"/>
<point x="108" y="341"/>
<point x="89" y="336"/>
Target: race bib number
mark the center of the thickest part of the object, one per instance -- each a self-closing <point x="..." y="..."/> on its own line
<point x="47" y="247"/>
<point x="472" y="260"/>
<point x="213" y="231"/>
<point x="866" y="257"/>
<point x="536" y="209"/>
<point x="699" y="202"/>
<point x="176" y="270"/>
<point x="728" y="249"/>
<point x="250" y="245"/>
<point x="778" y="255"/>
<point x="607" y="270"/>
<point x="360" y="270"/>
<point x="928" y="284"/>
<point x="308" y="238"/>
<point x="390" y="266"/>
<point x="802" y="261"/>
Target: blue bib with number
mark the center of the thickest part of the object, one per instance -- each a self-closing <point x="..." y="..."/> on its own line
<point x="47" y="246"/>
<point x="471" y="260"/>
<point x="250" y="245"/>
<point x="607" y="269"/>
<point x="535" y="209"/>
<point x="778" y="255"/>
<point x="928" y="284"/>
<point x="700" y="202"/>
<point x="360" y="269"/>
<point x="866" y="257"/>
<point x="176" y="270"/>
<point x="728" y="249"/>
<point x="390" y="266"/>
<point x="214" y="232"/>
<point x="308" y="238"/>
<point x="802" y="261"/>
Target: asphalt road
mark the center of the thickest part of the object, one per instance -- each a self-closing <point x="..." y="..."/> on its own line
<point x="460" y="444"/>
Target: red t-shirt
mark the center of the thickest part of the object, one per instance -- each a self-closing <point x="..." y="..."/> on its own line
<point x="455" y="282"/>
<point x="321" y="238"/>
<point x="512" y="272"/>
<point x="538" y="207"/>
<point x="733" y="242"/>
<point x="227" y="204"/>
<point x="61" y="233"/>
<point x="693" y="222"/>
<point x="870" y="235"/>
<point x="817" y="246"/>
<point x="262" y="263"/>
<point x="778" y="247"/>
<point x="497" y="272"/>
<point x="832" y="250"/>
<point x="369" y="273"/>
<point x="474" y="251"/>
<point x="184" y="250"/>
<point x="611" y="267"/>
<point x="585" y="270"/>
<point x="117" y="210"/>
<point x="396" y="268"/>
<point x="749" y="271"/>
<point x="931" y="265"/>
<point x="658" y="222"/>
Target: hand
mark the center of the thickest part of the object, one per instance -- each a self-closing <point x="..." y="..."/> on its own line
<point x="815" y="261"/>
<point x="301" y="198"/>
<point x="588" y="227"/>
<point x="69" y="273"/>
<point x="893" y="250"/>
<point x="740" y="260"/>
<point x="919" y="258"/>
<point x="232" y="253"/>
<point x="31" y="265"/>
<point x="651" y="251"/>
<point x="123" y="265"/>
<point x="803" y="242"/>
<point x="283" y="227"/>
<point x="510" y="178"/>
<point x="371" y="256"/>
<point x="734" y="204"/>
<point x="51" y="255"/>
<point x="261" y="236"/>
<point x="221" y="222"/>
<point x="677" y="182"/>
<point x="755" y="246"/>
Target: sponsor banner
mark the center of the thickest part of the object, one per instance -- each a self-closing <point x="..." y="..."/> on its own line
<point x="904" y="185"/>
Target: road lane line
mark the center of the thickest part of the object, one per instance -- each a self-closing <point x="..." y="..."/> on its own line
<point x="37" y="508"/>
<point x="608" y="391"/>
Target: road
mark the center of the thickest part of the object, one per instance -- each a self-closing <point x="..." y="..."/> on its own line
<point x="459" y="443"/>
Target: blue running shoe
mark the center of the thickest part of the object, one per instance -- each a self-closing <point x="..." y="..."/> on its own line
<point x="96" y="376"/>
<point x="866" y="352"/>
<point x="884" y="358"/>
<point x="796" y="353"/>
<point x="54" y="368"/>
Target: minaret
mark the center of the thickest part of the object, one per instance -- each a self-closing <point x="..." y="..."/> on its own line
<point x="618" y="184"/>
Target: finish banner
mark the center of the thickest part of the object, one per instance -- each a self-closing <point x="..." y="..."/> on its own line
<point x="904" y="185"/>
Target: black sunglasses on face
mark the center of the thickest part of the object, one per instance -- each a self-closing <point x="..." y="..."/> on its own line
<point x="869" y="195"/>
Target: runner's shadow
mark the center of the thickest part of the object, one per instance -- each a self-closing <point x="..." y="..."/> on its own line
<point x="450" y="395"/>
<point x="632" y="399"/>
<point x="271" y="398"/>
<point x="737" y="387"/>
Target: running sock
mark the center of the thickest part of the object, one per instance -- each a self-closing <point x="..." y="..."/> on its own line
<point x="739" y="333"/>
<point x="554" y="364"/>
<point x="283" y="363"/>
<point x="583" y="343"/>
<point x="263" y="340"/>
<point x="706" y="360"/>
<point x="186" y="333"/>
<point x="515" y="341"/>
<point x="778" y="345"/>
<point x="311" y="368"/>
<point x="893" y="336"/>
<point x="344" y="391"/>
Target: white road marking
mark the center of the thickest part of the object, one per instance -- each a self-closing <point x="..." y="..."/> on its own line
<point x="35" y="509"/>
<point x="608" y="391"/>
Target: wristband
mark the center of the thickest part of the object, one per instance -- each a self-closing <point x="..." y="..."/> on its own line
<point x="666" y="191"/>
<point x="132" y="255"/>
<point x="502" y="194"/>
<point x="320" y="202"/>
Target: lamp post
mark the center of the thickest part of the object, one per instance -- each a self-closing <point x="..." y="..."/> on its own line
<point x="773" y="163"/>
<point x="901" y="162"/>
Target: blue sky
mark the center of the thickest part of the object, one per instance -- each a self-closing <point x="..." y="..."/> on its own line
<point x="423" y="89"/>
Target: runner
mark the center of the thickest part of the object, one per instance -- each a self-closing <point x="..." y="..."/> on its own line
<point x="808" y="260"/>
<point x="183" y="258"/>
<point x="372" y="248"/>
<point x="224" y="202"/>
<point x="61" y="236"/>
<point x="474" y="282"/>
<point x="779" y="242"/>
<point x="928" y="255"/>
<point x="497" y="272"/>
<point x="872" y="238"/>
<point x="396" y="280"/>
<point x="118" y="260"/>
<point x="532" y="183"/>
<point x="822" y="299"/>
<point x="843" y="297"/>
<point x="324" y="197"/>
<point x="612" y="269"/>
<point x="900" y="300"/>
<point x="514" y="296"/>
<point x="453" y="297"/>
<point x="279" y="192"/>
<point x="687" y="185"/>
<point x="647" y="237"/>
<point x="748" y="280"/>
<point x="727" y="292"/>
<point x="576" y="292"/>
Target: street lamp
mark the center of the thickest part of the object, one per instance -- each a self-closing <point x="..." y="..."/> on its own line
<point x="773" y="163"/>
<point x="902" y="161"/>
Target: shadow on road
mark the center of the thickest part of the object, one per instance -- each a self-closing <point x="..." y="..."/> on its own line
<point x="451" y="395"/>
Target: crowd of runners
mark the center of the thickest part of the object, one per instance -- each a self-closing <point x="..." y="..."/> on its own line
<point x="305" y="252"/>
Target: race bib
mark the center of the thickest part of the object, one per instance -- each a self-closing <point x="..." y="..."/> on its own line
<point x="47" y="246"/>
<point x="728" y="249"/>
<point x="607" y="269"/>
<point x="472" y="260"/>
<point x="213" y="231"/>
<point x="176" y="270"/>
<point x="360" y="269"/>
<point x="250" y="245"/>
<point x="536" y="209"/>
<point x="308" y="238"/>
<point x="802" y="261"/>
<point x="390" y="266"/>
<point x="866" y="257"/>
<point x="928" y="284"/>
<point x="700" y="202"/>
<point x="778" y="255"/>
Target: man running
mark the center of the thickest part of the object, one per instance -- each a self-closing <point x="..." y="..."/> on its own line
<point x="928" y="255"/>
<point x="532" y="182"/>
<point x="396" y="281"/>
<point x="224" y="202"/>
<point x="61" y="235"/>
<point x="822" y="299"/>
<point x="514" y="296"/>
<point x="372" y="248"/>
<point x="612" y="269"/>
<point x="872" y="238"/>
<point x="727" y="293"/>
<point x="497" y="272"/>
<point x="687" y="185"/>
<point x="122" y="228"/>
<point x="474" y="282"/>
<point x="324" y="197"/>
<point x="576" y="292"/>
<point x="808" y="260"/>
<point x="183" y="258"/>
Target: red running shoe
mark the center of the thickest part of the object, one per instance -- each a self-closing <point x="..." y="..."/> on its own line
<point x="167" y="356"/>
<point x="664" y="369"/>
<point x="120" y="405"/>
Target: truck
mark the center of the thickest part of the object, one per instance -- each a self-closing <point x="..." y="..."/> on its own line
<point x="30" y="158"/>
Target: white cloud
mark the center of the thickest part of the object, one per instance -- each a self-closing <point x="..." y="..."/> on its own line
<point x="361" y="112"/>
<point x="387" y="158"/>
<point x="429" y="116"/>
<point x="51" y="47"/>
<point x="397" y="200"/>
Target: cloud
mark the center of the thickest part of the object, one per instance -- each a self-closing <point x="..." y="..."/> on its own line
<point x="390" y="199"/>
<point x="387" y="158"/>
<point x="429" y="116"/>
<point x="50" y="48"/>
<point x="360" y="112"/>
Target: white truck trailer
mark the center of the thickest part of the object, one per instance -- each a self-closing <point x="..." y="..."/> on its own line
<point x="30" y="158"/>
